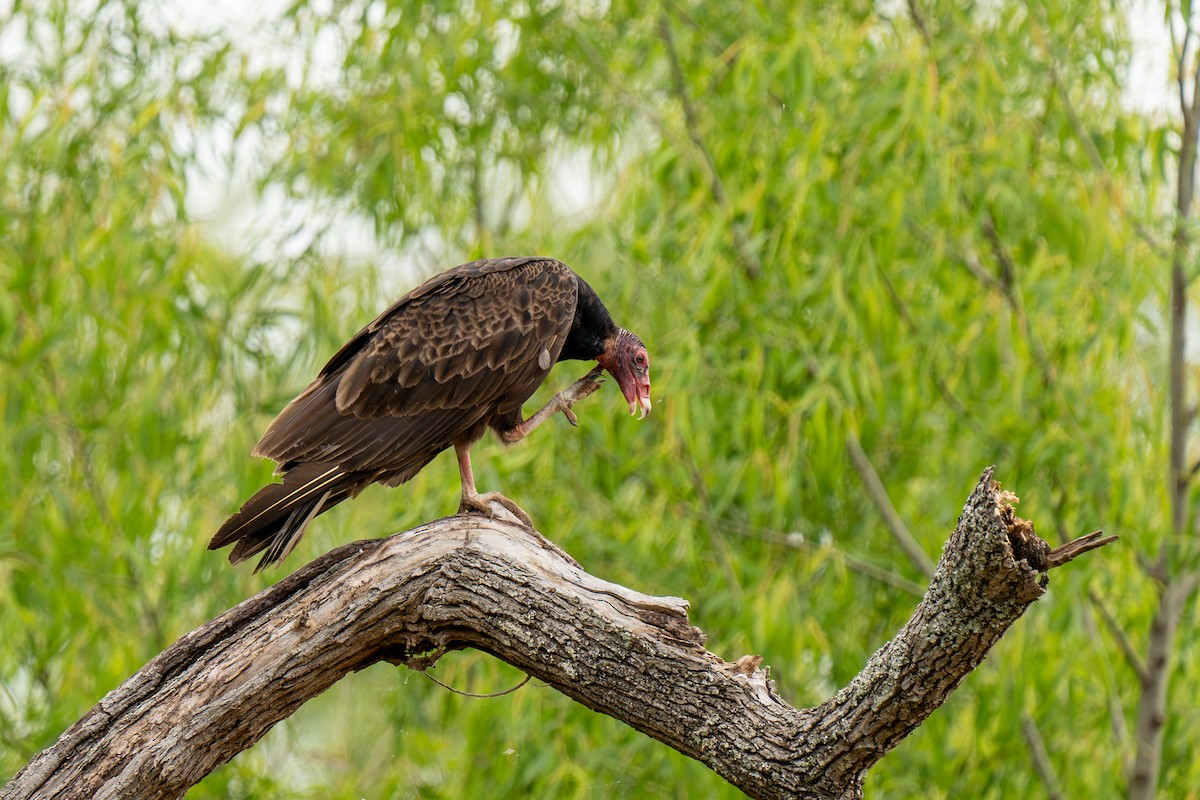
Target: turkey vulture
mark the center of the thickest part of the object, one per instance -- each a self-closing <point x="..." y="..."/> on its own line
<point x="453" y="357"/>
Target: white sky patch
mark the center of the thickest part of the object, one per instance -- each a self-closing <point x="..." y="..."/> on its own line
<point x="576" y="190"/>
<point x="223" y="196"/>
<point x="456" y="109"/>
<point x="216" y="16"/>
<point x="13" y="36"/>
<point x="1149" y="86"/>
<point x="506" y="40"/>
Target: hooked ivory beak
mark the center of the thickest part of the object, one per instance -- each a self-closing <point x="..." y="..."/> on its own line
<point x="642" y="402"/>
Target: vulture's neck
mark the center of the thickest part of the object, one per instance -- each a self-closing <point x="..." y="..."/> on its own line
<point x="592" y="328"/>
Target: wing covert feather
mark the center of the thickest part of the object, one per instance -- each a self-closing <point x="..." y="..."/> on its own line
<point x="479" y="329"/>
<point x="456" y="352"/>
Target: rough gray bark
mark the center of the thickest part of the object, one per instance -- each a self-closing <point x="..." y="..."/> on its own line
<point x="472" y="582"/>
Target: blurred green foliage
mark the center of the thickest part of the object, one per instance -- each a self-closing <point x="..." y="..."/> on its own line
<point x="825" y="222"/>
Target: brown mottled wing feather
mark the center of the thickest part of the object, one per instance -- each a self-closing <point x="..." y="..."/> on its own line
<point x="446" y="359"/>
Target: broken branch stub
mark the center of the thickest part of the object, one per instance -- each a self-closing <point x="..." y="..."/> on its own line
<point x="468" y="581"/>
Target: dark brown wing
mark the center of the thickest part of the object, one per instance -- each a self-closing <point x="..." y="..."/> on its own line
<point x="463" y="348"/>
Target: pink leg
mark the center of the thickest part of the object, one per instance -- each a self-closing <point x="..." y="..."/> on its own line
<point x="560" y="402"/>
<point x="473" y="501"/>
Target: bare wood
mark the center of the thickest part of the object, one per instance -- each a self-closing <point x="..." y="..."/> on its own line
<point x="474" y="582"/>
<point x="883" y="504"/>
<point x="1122" y="638"/>
<point x="918" y="20"/>
<point x="1152" y="705"/>
<point x="1041" y="759"/>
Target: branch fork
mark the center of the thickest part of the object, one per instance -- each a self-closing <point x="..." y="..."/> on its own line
<point x="471" y="581"/>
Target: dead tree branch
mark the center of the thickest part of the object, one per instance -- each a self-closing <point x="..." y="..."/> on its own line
<point x="471" y="582"/>
<point x="1122" y="638"/>
<point x="1041" y="759"/>
<point x="883" y="504"/>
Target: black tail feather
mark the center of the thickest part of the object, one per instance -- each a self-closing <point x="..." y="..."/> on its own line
<point x="275" y="518"/>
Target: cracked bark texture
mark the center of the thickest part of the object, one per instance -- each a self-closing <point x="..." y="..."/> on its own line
<point x="472" y="582"/>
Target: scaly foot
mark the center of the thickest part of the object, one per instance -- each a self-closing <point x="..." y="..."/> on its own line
<point x="482" y="504"/>
<point x="562" y="401"/>
<point x="585" y="386"/>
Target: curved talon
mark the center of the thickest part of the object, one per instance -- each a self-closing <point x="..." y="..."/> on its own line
<point x="584" y="387"/>
<point x="482" y="504"/>
<point x="563" y="401"/>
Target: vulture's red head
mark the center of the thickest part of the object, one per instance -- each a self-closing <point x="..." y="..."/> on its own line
<point x="626" y="359"/>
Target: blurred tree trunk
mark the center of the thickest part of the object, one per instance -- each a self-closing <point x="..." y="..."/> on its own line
<point x="469" y="582"/>
<point x="1175" y="582"/>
